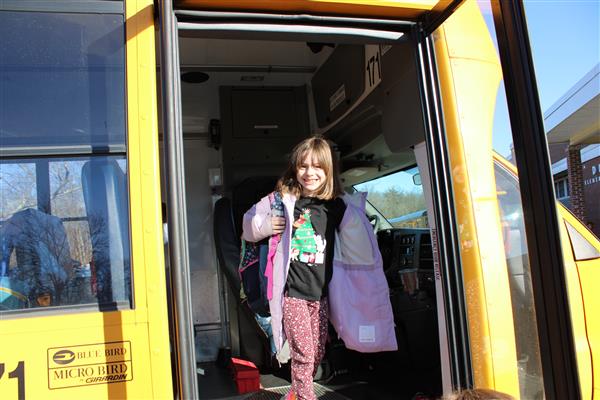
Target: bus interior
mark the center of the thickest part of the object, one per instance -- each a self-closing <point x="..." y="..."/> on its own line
<point x="247" y="98"/>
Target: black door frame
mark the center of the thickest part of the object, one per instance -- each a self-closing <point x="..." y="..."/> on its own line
<point x="445" y="233"/>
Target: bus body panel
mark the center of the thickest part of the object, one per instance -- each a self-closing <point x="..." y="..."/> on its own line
<point x="81" y="352"/>
<point x="578" y="320"/>
<point x="145" y="194"/>
<point x="480" y="359"/>
<point x="77" y="356"/>
<point x="465" y="55"/>
<point x="589" y="276"/>
<point x="584" y="299"/>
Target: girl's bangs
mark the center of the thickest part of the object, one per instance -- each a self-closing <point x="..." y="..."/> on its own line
<point x="319" y="153"/>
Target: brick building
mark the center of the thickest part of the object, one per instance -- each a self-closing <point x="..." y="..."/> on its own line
<point x="573" y="131"/>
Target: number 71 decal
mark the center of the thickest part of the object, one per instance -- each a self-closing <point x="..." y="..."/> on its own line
<point x="372" y="67"/>
<point x="19" y="373"/>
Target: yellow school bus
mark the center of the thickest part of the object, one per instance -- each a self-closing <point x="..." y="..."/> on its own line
<point x="113" y="110"/>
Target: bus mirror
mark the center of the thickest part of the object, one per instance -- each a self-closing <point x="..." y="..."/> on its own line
<point x="417" y="179"/>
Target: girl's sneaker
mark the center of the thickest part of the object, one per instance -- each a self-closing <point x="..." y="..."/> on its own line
<point x="289" y="396"/>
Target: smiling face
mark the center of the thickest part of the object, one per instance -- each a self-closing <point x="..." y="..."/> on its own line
<point x="310" y="174"/>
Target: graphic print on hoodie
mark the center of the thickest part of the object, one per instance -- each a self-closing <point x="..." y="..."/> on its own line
<point x="307" y="246"/>
<point x="313" y="231"/>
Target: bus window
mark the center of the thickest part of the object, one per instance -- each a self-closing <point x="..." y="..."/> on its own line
<point x="57" y="91"/>
<point x="63" y="188"/>
<point x="398" y="198"/>
<point x="68" y="253"/>
<point x="582" y="248"/>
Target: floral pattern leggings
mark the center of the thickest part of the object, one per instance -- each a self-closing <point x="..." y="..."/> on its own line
<point x="305" y="325"/>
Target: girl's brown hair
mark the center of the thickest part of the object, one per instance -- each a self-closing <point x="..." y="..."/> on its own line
<point x="320" y="149"/>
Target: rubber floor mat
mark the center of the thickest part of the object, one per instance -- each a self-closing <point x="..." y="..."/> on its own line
<point x="275" y="393"/>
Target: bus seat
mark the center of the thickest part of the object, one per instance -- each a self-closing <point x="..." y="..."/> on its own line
<point x="247" y="193"/>
<point x="227" y="243"/>
<point x="42" y="252"/>
<point x="105" y="196"/>
<point x="255" y="343"/>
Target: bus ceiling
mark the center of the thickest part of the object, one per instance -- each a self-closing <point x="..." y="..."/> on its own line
<point x="401" y="15"/>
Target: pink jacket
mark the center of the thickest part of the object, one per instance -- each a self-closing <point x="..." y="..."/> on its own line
<point x="359" y="302"/>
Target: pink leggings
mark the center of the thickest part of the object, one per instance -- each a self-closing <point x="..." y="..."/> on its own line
<point x="305" y="325"/>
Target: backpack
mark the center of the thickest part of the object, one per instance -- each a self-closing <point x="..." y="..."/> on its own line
<point x="253" y="262"/>
<point x="256" y="265"/>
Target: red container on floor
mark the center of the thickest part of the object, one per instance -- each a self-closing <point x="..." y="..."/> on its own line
<point x="246" y="375"/>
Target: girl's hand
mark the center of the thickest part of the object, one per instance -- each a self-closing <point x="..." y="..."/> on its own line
<point x="278" y="224"/>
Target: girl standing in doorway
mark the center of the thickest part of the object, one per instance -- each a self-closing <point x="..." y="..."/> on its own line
<point x="313" y="210"/>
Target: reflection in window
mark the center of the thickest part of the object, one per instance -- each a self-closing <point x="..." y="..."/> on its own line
<point x="17" y="188"/>
<point x="78" y="251"/>
<point x="561" y="188"/>
<point x="517" y="260"/>
<point x="399" y="198"/>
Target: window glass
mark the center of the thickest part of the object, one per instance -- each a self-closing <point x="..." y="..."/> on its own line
<point x="517" y="261"/>
<point x="65" y="187"/>
<point x="17" y="188"/>
<point x="399" y="198"/>
<point x="62" y="79"/>
<point x="561" y="190"/>
<point x="567" y="69"/>
<point x="77" y="250"/>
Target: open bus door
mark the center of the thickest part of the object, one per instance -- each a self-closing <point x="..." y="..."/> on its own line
<point x="417" y="15"/>
<point x="462" y="90"/>
<point x="421" y="16"/>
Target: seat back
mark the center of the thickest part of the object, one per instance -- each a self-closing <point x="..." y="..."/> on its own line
<point x="105" y="196"/>
<point x="228" y="213"/>
<point x="227" y="243"/>
<point x="247" y="193"/>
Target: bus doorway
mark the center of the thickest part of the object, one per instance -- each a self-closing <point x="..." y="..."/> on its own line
<point x="247" y="99"/>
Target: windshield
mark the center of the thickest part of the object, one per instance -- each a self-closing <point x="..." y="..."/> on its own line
<point x="398" y="197"/>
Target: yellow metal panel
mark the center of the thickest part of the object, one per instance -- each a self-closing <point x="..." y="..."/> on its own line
<point x="469" y="75"/>
<point x="145" y="199"/>
<point x="95" y="348"/>
<point x="584" y="303"/>
<point x="114" y="354"/>
<point x="589" y="277"/>
<point x="472" y="276"/>
<point x="409" y="10"/>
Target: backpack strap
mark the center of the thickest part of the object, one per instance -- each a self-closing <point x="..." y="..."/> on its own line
<point x="277" y="209"/>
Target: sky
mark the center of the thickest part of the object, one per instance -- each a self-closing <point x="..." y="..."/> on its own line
<point x="565" y="42"/>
